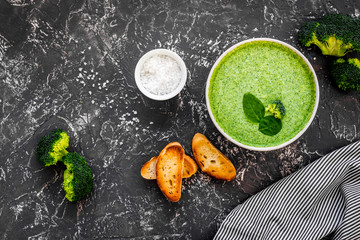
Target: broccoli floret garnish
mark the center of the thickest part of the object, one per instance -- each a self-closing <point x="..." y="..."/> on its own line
<point x="334" y="34"/>
<point x="277" y="109"/>
<point x="78" y="180"/>
<point x="307" y="33"/>
<point x="346" y="73"/>
<point x="52" y="147"/>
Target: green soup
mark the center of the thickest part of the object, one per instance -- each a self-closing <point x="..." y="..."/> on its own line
<point x="270" y="71"/>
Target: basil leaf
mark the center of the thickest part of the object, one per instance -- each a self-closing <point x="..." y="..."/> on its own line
<point x="253" y="108"/>
<point x="270" y="125"/>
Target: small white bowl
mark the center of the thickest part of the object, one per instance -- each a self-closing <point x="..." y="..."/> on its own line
<point x="168" y="53"/>
<point x="262" y="148"/>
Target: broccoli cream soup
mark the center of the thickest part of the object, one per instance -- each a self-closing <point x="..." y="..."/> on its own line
<point x="269" y="71"/>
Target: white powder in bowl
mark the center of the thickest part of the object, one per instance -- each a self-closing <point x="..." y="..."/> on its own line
<point x="160" y="74"/>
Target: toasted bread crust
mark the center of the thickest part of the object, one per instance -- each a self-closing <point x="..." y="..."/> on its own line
<point x="211" y="160"/>
<point x="148" y="170"/>
<point x="169" y="169"/>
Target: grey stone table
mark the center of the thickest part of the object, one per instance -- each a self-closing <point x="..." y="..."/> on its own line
<point x="70" y="64"/>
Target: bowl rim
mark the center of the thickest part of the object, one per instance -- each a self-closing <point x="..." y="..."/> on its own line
<point x="271" y="148"/>
<point x="169" y="53"/>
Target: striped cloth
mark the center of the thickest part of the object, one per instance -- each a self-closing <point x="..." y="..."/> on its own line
<point x="320" y="199"/>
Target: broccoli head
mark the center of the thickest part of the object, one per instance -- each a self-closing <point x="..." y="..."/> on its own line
<point x="346" y="73"/>
<point x="78" y="180"/>
<point x="52" y="147"/>
<point x="334" y="34"/>
<point x="277" y="109"/>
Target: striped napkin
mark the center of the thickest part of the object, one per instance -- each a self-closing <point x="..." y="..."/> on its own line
<point x="319" y="200"/>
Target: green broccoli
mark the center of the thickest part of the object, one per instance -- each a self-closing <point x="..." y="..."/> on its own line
<point x="52" y="147"/>
<point x="334" y="34"/>
<point x="277" y="109"/>
<point x="78" y="180"/>
<point x="346" y="73"/>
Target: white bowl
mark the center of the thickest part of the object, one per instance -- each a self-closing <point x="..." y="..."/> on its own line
<point x="262" y="148"/>
<point x="168" y="53"/>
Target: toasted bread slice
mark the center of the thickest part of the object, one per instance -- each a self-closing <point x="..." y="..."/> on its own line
<point x="148" y="170"/>
<point x="190" y="167"/>
<point x="169" y="167"/>
<point x="211" y="160"/>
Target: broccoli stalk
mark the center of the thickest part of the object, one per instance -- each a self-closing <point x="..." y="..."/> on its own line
<point x="277" y="109"/>
<point x="333" y="46"/>
<point x="334" y="34"/>
<point x="346" y="73"/>
<point x="52" y="147"/>
<point x="78" y="180"/>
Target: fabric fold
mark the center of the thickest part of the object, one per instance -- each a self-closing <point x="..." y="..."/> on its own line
<point x="320" y="199"/>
